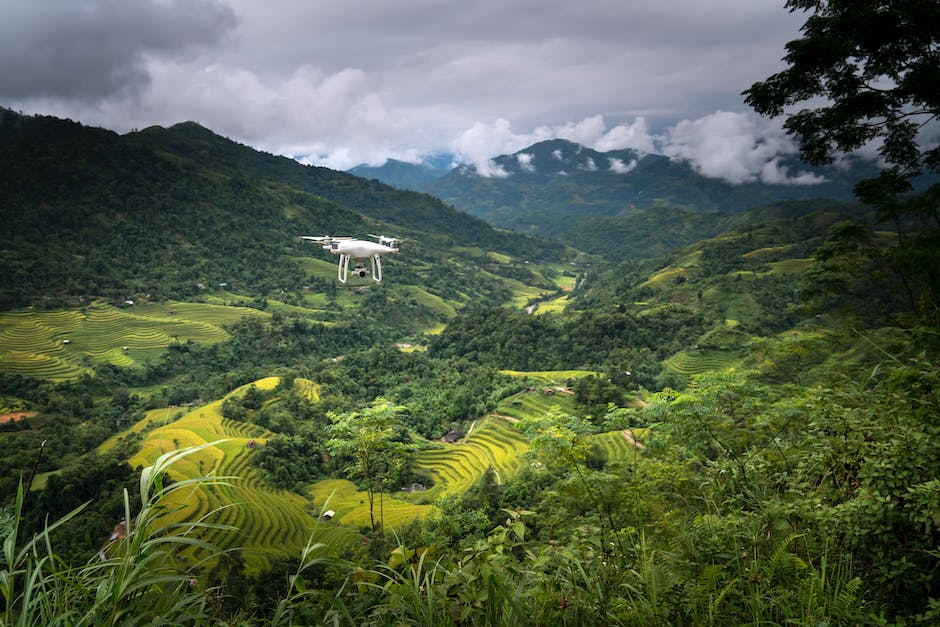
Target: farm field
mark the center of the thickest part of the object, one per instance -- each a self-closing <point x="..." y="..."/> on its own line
<point x="555" y="305"/>
<point x="617" y="446"/>
<point x="351" y="505"/>
<point x="276" y="523"/>
<point x="61" y="345"/>
<point x="550" y="376"/>
<point x="524" y="404"/>
<point x="693" y="362"/>
<point x="454" y="468"/>
<point x="272" y="523"/>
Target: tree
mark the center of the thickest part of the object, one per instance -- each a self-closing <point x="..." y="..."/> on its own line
<point x="877" y="65"/>
<point x="371" y="440"/>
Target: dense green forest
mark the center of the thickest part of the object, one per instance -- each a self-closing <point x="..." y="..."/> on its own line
<point x="505" y="431"/>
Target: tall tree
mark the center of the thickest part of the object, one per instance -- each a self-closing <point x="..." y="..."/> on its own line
<point x="867" y="72"/>
<point x="864" y="70"/>
<point x="371" y="440"/>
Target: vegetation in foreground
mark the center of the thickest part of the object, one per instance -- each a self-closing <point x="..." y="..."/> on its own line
<point x="782" y="464"/>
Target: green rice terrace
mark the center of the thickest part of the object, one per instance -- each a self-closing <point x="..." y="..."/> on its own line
<point x="276" y="523"/>
<point x="62" y="345"/>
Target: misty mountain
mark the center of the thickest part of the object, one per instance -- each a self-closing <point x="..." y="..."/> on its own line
<point x="561" y="189"/>
<point x="405" y="175"/>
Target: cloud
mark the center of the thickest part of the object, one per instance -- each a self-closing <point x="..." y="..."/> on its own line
<point x="617" y="166"/>
<point x="635" y="136"/>
<point x="340" y="82"/>
<point x="92" y="50"/>
<point x="525" y="161"/>
<point x="734" y="147"/>
<point x="481" y="142"/>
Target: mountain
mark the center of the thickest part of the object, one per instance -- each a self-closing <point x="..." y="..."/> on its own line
<point x="656" y="231"/>
<point x="405" y="175"/>
<point x="89" y="212"/>
<point x="557" y="188"/>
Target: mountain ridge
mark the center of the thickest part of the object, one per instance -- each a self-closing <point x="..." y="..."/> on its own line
<point x="161" y="210"/>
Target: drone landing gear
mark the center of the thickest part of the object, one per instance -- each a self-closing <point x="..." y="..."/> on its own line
<point x="360" y="269"/>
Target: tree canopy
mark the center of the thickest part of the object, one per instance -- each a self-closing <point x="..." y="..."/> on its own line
<point x="876" y="65"/>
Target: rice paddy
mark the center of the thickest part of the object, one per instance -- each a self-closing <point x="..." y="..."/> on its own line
<point x="271" y="523"/>
<point x="455" y="467"/>
<point x="63" y="345"/>
<point x="274" y="523"/>
<point x="694" y="362"/>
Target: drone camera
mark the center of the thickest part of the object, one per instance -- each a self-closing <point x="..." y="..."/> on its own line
<point x="360" y="272"/>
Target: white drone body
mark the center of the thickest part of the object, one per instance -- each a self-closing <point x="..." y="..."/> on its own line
<point x="359" y="251"/>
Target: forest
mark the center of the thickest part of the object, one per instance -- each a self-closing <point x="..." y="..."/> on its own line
<point x="505" y="431"/>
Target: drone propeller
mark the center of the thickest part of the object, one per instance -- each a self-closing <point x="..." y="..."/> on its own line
<point x="383" y="239"/>
<point x="321" y="239"/>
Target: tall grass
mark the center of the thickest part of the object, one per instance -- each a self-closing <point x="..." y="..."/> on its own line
<point x="134" y="581"/>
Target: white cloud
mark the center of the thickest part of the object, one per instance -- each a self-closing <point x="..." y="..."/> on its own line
<point x="617" y="166"/>
<point x="634" y="136"/>
<point x="525" y="161"/>
<point x="481" y="142"/>
<point x="734" y="147"/>
<point x="589" y="165"/>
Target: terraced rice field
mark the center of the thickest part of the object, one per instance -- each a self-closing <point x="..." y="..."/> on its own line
<point x="153" y="418"/>
<point x="454" y="468"/>
<point x="431" y="301"/>
<point x="309" y="389"/>
<point x="526" y="404"/>
<point x="698" y="362"/>
<point x="58" y="345"/>
<point x="550" y="376"/>
<point x="351" y="505"/>
<point x="617" y="447"/>
<point x="271" y="523"/>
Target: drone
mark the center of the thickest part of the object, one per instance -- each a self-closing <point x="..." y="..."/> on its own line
<point x="358" y="250"/>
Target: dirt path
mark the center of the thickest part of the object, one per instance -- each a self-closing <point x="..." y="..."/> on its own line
<point x="17" y="415"/>
<point x="628" y="435"/>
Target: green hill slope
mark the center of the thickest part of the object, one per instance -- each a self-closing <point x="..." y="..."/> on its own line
<point x="173" y="212"/>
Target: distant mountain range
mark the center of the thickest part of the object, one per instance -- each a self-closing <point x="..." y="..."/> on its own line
<point x="405" y="175"/>
<point x="620" y="203"/>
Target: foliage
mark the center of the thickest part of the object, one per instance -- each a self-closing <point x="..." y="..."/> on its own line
<point x="136" y="580"/>
<point x="875" y="65"/>
<point x="376" y="446"/>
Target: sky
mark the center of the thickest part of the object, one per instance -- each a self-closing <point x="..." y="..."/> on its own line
<point x="343" y="82"/>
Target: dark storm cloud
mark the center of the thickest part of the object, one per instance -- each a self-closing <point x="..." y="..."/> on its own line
<point x="90" y="50"/>
<point x="341" y="82"/>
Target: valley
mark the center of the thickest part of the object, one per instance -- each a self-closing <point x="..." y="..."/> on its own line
<point x="738" y="422"/>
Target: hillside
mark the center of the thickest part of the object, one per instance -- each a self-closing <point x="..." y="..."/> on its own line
<point x="90" y="213"/>
<point x="404" y="175"/>
<point x="564" y="190"/>
<point x="503" y="431"/>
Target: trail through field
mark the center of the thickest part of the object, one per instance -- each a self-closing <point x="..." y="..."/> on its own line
<point x="17" y="415"/>
<point x="628" y="435"/>
<point x="506" y="418"/>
